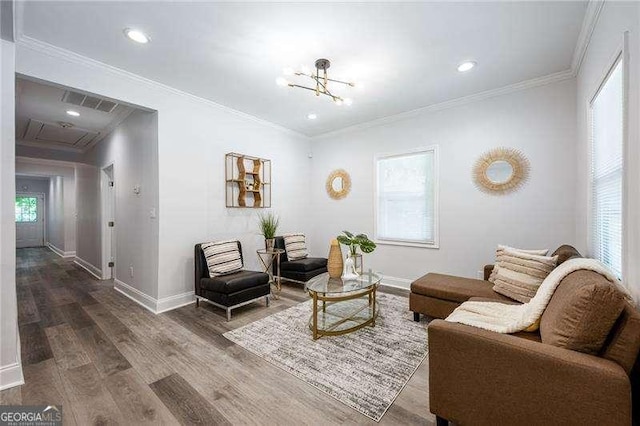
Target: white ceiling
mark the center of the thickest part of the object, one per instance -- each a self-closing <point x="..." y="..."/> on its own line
<point x="40" y="111"/>
<point x="405" y="53"/>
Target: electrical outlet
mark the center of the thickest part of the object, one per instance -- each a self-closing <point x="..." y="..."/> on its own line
<point x="131" y="271"/>
<point x="480" y="275"/>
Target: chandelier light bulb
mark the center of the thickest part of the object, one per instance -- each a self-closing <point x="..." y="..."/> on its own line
<point x="348" y="101"/>
<point x="305" y="69"/>
<point x="338" y="101"/>
<point x="287" y="71"/>
<point x="358" y="85"/>
<point x="281" y="81"/>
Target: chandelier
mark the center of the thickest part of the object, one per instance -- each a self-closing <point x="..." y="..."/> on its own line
<point x="321" y="80"/>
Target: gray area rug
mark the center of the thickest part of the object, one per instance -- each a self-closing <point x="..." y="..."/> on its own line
<point x="365" y="370"/>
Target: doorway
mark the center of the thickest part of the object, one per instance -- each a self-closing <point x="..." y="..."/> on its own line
<point x="108" y="203"/>
<point x="29" y="211"/>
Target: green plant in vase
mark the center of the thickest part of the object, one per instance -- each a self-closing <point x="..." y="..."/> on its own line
<point x="353" y="241"/>
<point x="268" y="224"/>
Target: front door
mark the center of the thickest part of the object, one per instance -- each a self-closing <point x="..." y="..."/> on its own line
<point x="29" y="220"/>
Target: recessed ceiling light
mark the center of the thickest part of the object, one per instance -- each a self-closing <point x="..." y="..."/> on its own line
<point x="136" y="35"/>
<point x="73" y="113"/>
<point x="466" y="66"/>
<point x="348" y="101"/>
<point x="312" y="116"/>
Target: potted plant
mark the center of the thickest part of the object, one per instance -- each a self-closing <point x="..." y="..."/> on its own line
<point x="268" y="225"/>
<point x="353" y="242"/>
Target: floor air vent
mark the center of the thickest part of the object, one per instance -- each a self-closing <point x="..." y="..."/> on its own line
<point x="92" y="102"/>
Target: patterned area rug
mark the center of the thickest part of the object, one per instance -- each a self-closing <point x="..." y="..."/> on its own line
<point x="365" y="370"/>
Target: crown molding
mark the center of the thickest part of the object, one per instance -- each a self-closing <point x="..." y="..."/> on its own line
<point x="46" y="162"/>
<point x="49" y="147"/>
<point x="505" y="90"/>
<point x="53" y="51"/>
<point x="594" y="7"/>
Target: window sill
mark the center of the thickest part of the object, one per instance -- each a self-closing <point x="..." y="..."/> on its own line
<point x="407" y="244"/>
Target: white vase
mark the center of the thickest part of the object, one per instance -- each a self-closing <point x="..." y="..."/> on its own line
<point x="349" y="271"/>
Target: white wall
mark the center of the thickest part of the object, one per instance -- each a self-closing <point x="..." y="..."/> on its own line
<point x="193" y="136"/>
<point x="27" y="184"/>
<point x="61" y="204"/>
<point x="88" y="248"/>
<point x="607" y="38"/>
<point x="10" y="365"/>
<point x="538" y="121"/>
<point x="132" y="149"/>
<point x="55" y="213"/>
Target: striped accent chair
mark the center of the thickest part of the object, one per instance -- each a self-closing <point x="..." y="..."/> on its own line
<point x="227" y="286"/>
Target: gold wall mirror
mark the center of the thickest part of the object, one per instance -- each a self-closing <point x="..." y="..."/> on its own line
<point x="501" y="170"/>
<point x="338" y="184"/>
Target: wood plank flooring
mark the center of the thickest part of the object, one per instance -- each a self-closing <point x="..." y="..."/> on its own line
<point x="107" y="360"/>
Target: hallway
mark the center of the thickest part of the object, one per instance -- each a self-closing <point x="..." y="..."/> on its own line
<point x="106" y="359"/>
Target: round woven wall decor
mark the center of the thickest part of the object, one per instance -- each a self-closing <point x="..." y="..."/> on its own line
<point x="345" y="187"/>
<point x="519" y="170"/>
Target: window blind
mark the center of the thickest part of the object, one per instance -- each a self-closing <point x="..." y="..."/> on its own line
<point x="405" y="206"/>
<point x="607" y="124"/>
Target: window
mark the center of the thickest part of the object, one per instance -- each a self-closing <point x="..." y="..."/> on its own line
<point x="607" y="130"/>
<point x="26" y="209"/>
<point x="406" y="198"/>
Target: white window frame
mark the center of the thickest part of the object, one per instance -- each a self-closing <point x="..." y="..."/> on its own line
<point x="621" y="56"/>
<point x="436" y="201"/>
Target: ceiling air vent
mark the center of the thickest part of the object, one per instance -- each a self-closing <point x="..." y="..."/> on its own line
<point x="86" y="101"/>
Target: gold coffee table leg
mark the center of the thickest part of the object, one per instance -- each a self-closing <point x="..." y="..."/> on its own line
<point x="315" y="316"/>
<point x="373" y="292"/>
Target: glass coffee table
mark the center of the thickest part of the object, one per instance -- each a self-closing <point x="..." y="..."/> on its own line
<point x="346" y="306"/>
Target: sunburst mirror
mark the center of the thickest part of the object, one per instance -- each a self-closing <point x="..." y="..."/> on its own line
<point x="338" y="184"/>
<point x="501" y="170"/>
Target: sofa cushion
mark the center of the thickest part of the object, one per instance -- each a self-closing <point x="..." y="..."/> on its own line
<point x="455" y="289"/>
<point x="232" y="283"/>
<point x="623" y="343"/>
<point x="304" y="265"/>
<point x="222" y="257"/>
<point x="566" y="252"/>
<point x="581" y="312"/>
<point x="520" y="274"/>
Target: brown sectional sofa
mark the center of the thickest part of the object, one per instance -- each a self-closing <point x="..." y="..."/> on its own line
<point x="479" y="377"/>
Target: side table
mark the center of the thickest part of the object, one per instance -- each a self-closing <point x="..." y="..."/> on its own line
<point x="268" y="258"/>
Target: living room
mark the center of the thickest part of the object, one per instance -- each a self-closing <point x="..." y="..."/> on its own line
<point x="455" y="82"/>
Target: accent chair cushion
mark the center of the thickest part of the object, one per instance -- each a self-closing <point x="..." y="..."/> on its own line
<point x="232" y="283"/>
<point x="581" y="312"/>
<point x="295" y="246"/>
<point x="223" y="257"/>
<point x="500" y="255"/>
<point x="520" y="274"/>
<point x="304" y="265"/>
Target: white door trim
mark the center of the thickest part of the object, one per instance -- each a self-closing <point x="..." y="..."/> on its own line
<point x="107" y="213"/>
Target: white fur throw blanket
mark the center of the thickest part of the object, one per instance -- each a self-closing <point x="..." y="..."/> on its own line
<point x="504" y="318"/>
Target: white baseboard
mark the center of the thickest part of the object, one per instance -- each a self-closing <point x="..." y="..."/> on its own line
<point x="172" y="302"/>
<point x="157" y="306"/>
<point x="136" y="295"/>
<point x="11" y="375"/>
<point x="96" y="272"/>
<point x="402" y="283"/>
<point x="61" y="253"/>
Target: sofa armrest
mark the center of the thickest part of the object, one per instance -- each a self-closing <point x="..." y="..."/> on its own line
<point x="480" y="377"/>
<point x="487" y="271"/>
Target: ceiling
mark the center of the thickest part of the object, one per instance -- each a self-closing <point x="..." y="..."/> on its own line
<point x="42" y="120"/>
<point x="406" y="54"/>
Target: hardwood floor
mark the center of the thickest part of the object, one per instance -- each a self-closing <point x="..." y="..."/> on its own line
<point x="107" y="360"/>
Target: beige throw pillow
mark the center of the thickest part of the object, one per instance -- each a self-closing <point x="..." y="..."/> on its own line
<point x="520" y="274"/>
<point x="500" y="253"/>
<point x="296" y="246"/>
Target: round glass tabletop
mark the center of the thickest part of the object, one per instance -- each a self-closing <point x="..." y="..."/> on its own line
<point x="325" y="284"/>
